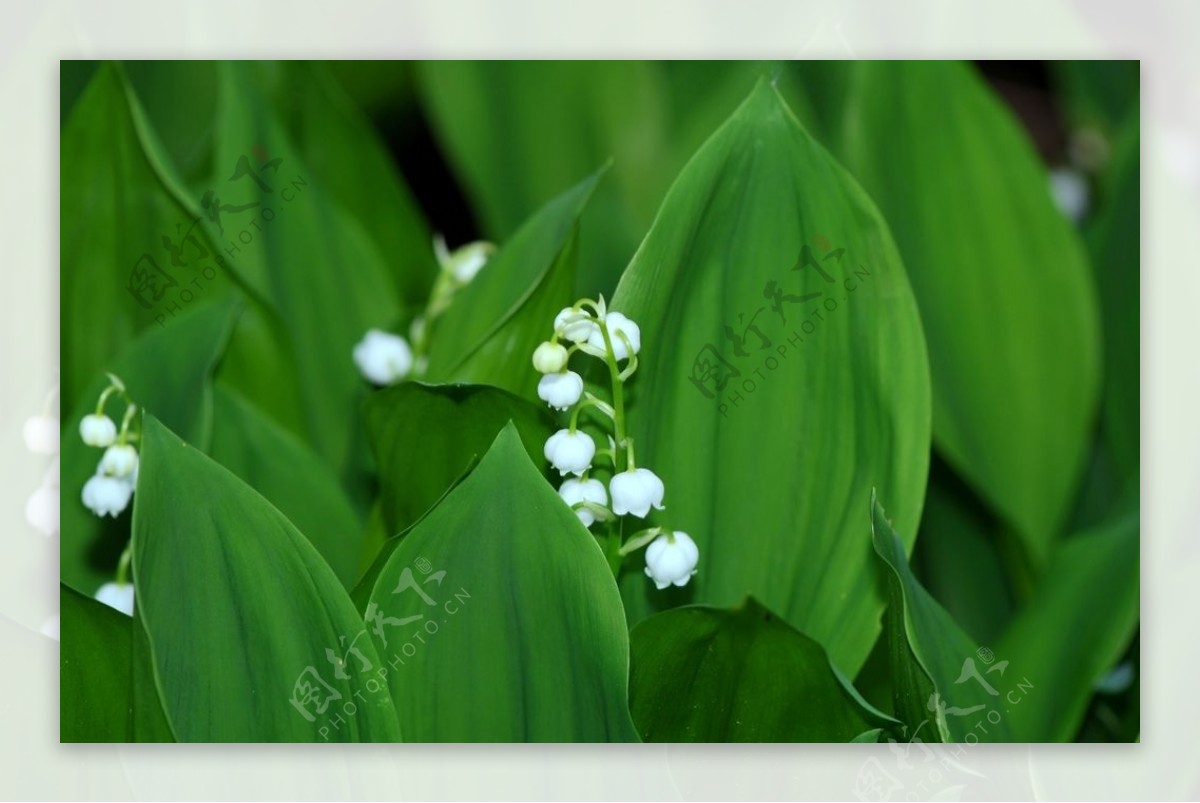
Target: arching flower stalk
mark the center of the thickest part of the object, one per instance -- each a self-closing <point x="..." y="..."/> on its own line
<point x="587" y="327"/>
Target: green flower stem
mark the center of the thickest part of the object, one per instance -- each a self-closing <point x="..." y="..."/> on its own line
<point x="640" y="539"/>
<point x="123" y="564"/>
<point x="618" y="392"/>
<point x="590" y="400"/>
<point x="123" y="436"/>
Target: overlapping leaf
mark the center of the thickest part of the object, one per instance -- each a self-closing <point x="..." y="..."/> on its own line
<point x="944" y="686"/>
<point x="1002" y="281"/>
<point x="94" y="703"/>
<point x="702" y="674"/>
<point x="252" y="636"/>
<point x="782" y="375"/>
<point x="499" y="619"/>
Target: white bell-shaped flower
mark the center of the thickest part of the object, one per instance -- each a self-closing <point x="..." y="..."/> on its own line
<point x="570" y="452"/>
<point x="620" y="329"/>
<point x="671" y="559"/>
<point x="107" y="496"/>
<point x="464" y="262"/>
<point x="118" y="596"/>
<point x="561" y="391"/>
<point x="550" y="358"/>
<point x="120" y="460"/>
<point x="41" y="434"/>
<point x="382" y="357"/>
<point x="574" y="491"/>
<point x="575" y="325"/>
<point x="636" y="491"/>
<point x="97" y="429"/>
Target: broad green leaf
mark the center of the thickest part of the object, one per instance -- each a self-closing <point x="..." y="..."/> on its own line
<point x="498" y="618"/>
<point x="944" y="686"/>
<point x="489" y="331"/>
<point x="116" y="214"/>
<point x="1114" y="242"/>
<point x="288" y="238"/>
<point x="167" y="371"/>
<point x="252" y="636"/>
<point x="701" y="674"/>
<point x="149" y="720"/>
<point x="179" y="98"/>
<point x="518" y="132"/>
<point x="275" y="463"/>
<point x="351" y="162"/>
<point x="94" y="659"/>
<point x="1006" y="301"/>
<point x="770" y="418"/>
<point x="1075" y="629"/>
<point x="425" y="436"/>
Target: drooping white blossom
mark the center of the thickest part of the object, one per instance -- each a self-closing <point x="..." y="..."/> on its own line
<point x="1071" y="194"/>
<point x="561" y="391"/>
<point x="97" y="429"/>
<point x="107" y="496"/>
<point x="570" y="452"/>
<point x="620" y="330"/>
<point x="464" y="262"/>
<point x="575" y="325"/>
<point x="118" y="596"/>
<point x="671" y="559"/>
<point x="636" y="491"/>
<point x="383" y="357"/>
<point x="120" y="460"/>
<point x="574" y="491"/>
<point x="550" y="358"/>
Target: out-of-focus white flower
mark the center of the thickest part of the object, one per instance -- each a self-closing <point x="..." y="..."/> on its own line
<point x="107" y="496"/>
<point x="575" y="325"/>
<point x="120" y="460"/>
<point x="560" y="391"/>
<point x="550" y="358"/>
<point x="671" y="559"/>
<point x="97" y="429"/>
<point x="636" y="491"/>
<point x="41" y="509"/>
<point x="118" y="596"/>
<point x="464" y="262"/>
<point x="1070" y="190"/>
<point x="382" y="357"/>
<point x="574" y="491"/>
<point x="618" y="325"/>
<point x="570" y="452"/>
<point x="41" y="434"/>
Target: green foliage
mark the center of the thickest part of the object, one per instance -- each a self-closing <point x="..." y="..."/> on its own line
<point x="316" y="559"/>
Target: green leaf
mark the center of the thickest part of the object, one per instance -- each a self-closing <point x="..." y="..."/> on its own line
<point x="95" y="686"/>
<point x="701" y="674"/>
<point x="425" y="436"/>
<point x="1002" y="281"/>
<point x="115" y="212"/>
<point x="767" y="457"/>
<point x="943" y="684"/>
<point x="498" y="618"/>
<point x="240" y="611"/>
<point x="351" y="162"/>
<point x="167" y="371"/>
<point x="290" y="240"/>
<point x="517" y="132"/>
<point x="284" y="470"/>
<point x="489" y="331"/>
<point x="1114" y="242"/>
<point x="1098" y="93"/>
<point x="1075" y="629"/>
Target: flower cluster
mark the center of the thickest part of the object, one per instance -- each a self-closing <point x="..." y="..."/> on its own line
<point x="384" y="358"/>
<point x="589" y="328"/>
<point x="108" y="492"/>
